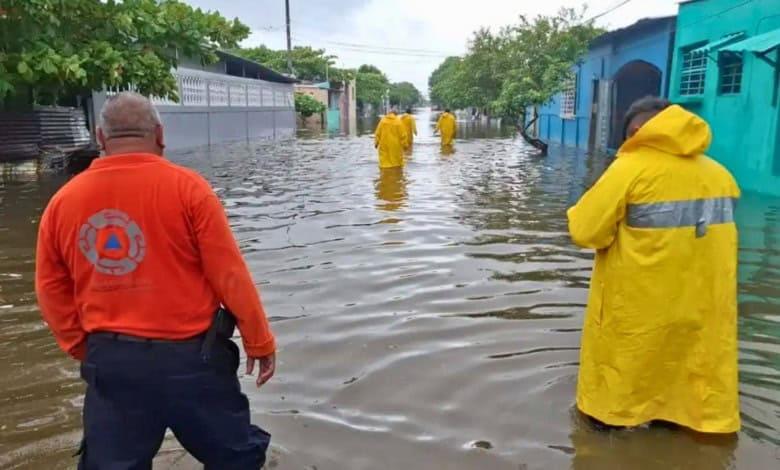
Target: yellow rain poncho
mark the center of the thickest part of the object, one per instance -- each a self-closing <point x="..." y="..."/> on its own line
<point x="660" y="335"/>
<point x="447" y="127"/>
<point x="410" y="126"/>
<point x="390" y="140"/>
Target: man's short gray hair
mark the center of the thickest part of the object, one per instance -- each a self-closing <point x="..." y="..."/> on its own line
<point x="128" y="114"/>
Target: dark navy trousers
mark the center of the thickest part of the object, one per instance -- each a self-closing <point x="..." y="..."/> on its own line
<point x="137" y="390"/>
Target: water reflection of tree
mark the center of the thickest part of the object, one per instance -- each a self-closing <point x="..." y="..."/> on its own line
<point x="529" y="193"/>
<point x="521" y="201"/>
<point x="391" y="189"/>
<point x="483" y="130"/>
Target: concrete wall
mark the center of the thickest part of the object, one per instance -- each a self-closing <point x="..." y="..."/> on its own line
<point x="745" y="125"/>
<point x="194" y="127"/>
<point x="603" y="62"/>
<point x="320" y="94"/>
<point x="204" y="117"/>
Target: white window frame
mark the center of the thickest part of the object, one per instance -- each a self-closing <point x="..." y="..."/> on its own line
<point x="569" y="99"/>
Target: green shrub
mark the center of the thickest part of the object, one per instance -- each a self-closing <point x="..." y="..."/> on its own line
<point x="307" y="105"/>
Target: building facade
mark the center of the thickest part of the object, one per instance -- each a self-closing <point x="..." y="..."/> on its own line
<point x="620" y="67"/>
<point x="339" y="98"/>
<point x="727" y="69"/>
<point x="232" y="100"/>
<point x="318" y="91"/>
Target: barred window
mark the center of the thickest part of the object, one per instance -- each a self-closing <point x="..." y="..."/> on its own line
<point x="694" y="72"/>
<point x="730" y="73"/>
<point x="569" y="99"/>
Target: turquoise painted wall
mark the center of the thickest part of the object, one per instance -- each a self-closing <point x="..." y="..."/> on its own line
<point x="745" y="125"/>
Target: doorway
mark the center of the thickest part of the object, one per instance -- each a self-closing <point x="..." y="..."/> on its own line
<point x="635" y="80"/>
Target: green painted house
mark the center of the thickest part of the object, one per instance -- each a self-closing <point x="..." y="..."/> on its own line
<point x="726" y="68"/>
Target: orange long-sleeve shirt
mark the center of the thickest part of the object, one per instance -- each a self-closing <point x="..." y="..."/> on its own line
<point x="141" y="246"/>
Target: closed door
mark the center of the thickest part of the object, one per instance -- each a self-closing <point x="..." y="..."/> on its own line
<point x="603" y="114"/>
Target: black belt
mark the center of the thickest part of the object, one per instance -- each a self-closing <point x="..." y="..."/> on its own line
<point x="138" y="339"/>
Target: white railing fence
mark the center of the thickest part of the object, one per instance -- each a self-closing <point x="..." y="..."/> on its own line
<point x="199" y="88"/>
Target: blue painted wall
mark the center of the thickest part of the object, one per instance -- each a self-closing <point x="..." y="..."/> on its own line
<point x="635" y="43"/>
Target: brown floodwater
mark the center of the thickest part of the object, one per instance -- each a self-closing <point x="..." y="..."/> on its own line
<point x="427" y="319"/>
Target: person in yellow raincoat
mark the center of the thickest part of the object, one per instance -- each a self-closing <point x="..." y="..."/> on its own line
<point x="446" y="127"/>
<point x="390" y="139"/>
<point x="659" y="341"/>
<point x="410" y="125"/>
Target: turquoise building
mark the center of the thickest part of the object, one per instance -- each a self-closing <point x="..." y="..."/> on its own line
<point x="726" y="68"/>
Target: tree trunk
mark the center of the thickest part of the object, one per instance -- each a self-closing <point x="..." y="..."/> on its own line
<point x="533" y="141"/>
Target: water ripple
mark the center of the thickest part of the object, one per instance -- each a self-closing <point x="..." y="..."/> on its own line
<point x="391" y="294"/>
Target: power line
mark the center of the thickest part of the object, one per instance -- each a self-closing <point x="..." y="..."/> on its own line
<point x="619" y="5"/>
<point x="382" y="51"/>
<point x="374" y="48"/>
<point x="387" y="48"/>
<point x="391" y="53"/>
<point x="701" y="20"/>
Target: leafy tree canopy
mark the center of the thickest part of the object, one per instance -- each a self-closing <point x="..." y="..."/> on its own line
<point x="404" y="94"/>
<point x="372" y="86"/>
<point x="308" y="63"/>
<point x="524" y="64"/>
<point x="54" y="47"/>
<point x="365" y="68"/>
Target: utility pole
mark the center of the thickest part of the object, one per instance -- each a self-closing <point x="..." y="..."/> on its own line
<point x="289" y="38"/>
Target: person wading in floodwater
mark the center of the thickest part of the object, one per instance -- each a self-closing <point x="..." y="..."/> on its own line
<point x="135" y="256"/>
<point x="659" y="341"/>
<point x="410" y="126"/>
<point x="390" y="139"/>
<point x="446" y="127"/>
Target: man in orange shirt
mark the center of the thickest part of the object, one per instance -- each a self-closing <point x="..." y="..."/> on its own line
<point x="135" y="256"/>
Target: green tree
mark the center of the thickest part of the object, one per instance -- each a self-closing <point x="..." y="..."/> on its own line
<point x="307" y="105"/>
<point x="310" y="64"/>
<point x="404" y="94"/>
<point x="51" y="48"/>
<point x="539" y="56"/>
<point x="442" y="85"/>
<point x="372" y="86"/>
<point x="365" y="68"/>
<point x="521" y="67"/>
<point x="480" y="75"/>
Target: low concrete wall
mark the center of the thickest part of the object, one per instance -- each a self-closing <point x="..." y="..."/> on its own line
<point x="193" y="127"/>
<point x="217" y="108"/>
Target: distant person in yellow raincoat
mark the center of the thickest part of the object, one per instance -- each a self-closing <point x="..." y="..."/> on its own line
<point x="446" y="127"/>
<point x="390" y="140"/>
<point x="410" y="125"/>
<point x="659" y="341"/>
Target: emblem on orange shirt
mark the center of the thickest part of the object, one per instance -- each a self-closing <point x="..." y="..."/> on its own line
<point x="112" y="242"/>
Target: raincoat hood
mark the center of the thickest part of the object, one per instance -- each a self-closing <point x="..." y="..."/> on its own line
<point x="675" y="131"/>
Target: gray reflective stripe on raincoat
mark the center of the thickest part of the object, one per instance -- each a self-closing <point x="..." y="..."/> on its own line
<point x="697" y="213"/>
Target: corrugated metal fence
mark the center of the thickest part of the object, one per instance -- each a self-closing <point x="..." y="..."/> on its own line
<point x="26" y="135"/>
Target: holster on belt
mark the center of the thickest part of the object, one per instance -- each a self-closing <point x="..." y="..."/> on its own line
<point x="222" y="328"/>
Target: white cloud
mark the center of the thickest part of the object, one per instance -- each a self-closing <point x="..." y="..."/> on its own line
<point x="403" y="26"/>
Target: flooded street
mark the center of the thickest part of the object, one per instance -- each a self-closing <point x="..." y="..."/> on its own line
<point x="427" y="319"/>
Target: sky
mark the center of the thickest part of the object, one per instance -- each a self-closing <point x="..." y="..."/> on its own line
<point x="407" y="39"/>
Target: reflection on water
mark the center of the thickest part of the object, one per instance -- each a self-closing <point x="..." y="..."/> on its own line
<point x="428" y="318"/>
<point x="391" y="188"/>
